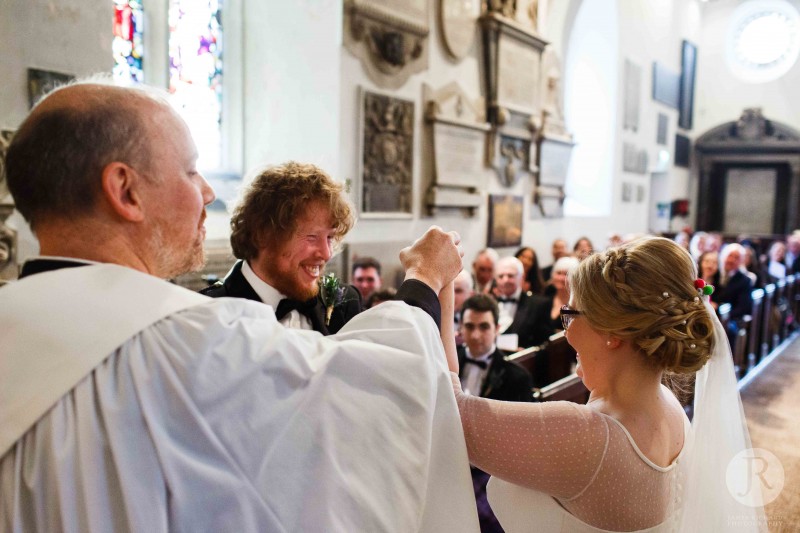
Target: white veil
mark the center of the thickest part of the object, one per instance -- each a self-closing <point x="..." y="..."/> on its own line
<point x="719" y="432"/>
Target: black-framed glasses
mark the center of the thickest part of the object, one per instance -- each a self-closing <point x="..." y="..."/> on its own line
<point x="568" y="315"/>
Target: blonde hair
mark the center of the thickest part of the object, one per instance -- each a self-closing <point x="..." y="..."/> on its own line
<point x="643" y="292"/>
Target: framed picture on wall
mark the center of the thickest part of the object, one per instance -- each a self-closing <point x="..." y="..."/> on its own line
<point x="688" y="70"/>
<point x="682" y="148"/>
<point x="41" y="82"/>
<point x="666" y="86"/>
<point x="505" y="220"/>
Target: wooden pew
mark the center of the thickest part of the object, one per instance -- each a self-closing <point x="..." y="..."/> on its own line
<point x="767" y="321"/>
<point x="570" y="389"/>
<point x="549" y="362"/>
<point x="739" y="341"/>
<point x="756" y="333"/>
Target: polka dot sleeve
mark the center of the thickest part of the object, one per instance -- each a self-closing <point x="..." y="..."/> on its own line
<point x="555" y="447"/>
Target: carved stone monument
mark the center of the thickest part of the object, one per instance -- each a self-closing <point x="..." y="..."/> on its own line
<point x="390" y="37"/>
<point x="459" y="131"/>
<point x="512" y="56"/>
<point x="554" y="142"/>
<point x="730" y="158"/>
<point x="387" y="155"/>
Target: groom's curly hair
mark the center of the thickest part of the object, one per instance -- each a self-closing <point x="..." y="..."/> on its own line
<point x="267" y="214"/>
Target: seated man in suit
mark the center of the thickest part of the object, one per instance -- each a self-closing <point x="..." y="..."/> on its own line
<point x="736" y="286"/>
<point x="484" y="371"/>
<point x="283" y="233"/>
<point x="522" y="313"/>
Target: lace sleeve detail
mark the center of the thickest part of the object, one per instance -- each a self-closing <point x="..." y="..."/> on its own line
<point x="553" y="447"/>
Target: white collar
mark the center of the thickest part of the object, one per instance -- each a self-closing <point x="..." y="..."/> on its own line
<point x="484" y="357"/>
<point x="268" y="294"/>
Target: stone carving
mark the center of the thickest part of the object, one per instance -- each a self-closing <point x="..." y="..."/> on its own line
<point x="8" y="236"/>
<point x="389" y="37"/>
<point x="513" y="159"/>
<point x="552" y="101"/>
<point x="506" y="8"/>
<point x="458" y="20"/>
<point x="458" y="129"/>
<point x="387" y="154"/>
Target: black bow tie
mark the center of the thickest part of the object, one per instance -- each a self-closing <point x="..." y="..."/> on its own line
<point x="287" y="305"/>
<point x="506" y="300"/>
<point x="476" y="362"/>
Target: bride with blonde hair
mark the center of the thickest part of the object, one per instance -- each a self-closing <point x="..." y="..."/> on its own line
<point x="628" y="460"/>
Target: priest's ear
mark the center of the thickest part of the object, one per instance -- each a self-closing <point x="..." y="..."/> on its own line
<point x="122" y="191"/>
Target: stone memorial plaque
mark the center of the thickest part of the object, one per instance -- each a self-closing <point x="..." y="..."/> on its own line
<point x="387" y="154"/>
<point x="518" y="75"/>
<point x="458" y="154"/>
<point x="554" y="162"/>
<point x="458" y="20"/>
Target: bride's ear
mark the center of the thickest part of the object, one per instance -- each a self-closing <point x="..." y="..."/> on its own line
<point x="613" y="342"/>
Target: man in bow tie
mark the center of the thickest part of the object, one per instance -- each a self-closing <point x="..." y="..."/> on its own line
<point x="521" y="312"/>
<point x="283" y="233"/>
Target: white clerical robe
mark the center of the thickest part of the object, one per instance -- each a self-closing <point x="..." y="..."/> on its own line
<point x="217" y="418"/>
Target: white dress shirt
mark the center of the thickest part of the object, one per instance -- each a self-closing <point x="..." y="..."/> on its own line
<point x="473" y="375"/>
<point x="508" y="310"/>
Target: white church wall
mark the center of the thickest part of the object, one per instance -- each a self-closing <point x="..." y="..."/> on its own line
<point x="721" y="96"/>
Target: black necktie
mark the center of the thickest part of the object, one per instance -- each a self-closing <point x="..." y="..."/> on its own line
<point x="481" y="364"/>
<point x="286" y="305"/>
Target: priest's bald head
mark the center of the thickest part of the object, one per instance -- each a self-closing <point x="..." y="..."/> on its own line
<point x="108" y="174"/>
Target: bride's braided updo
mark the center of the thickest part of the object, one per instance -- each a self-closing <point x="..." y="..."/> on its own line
<point x="643" y="291"/>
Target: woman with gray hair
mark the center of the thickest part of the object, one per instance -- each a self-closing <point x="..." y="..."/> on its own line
<point x="558" y="290"/>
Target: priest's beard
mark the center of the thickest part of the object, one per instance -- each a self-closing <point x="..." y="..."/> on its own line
<point x="172" y="261"/>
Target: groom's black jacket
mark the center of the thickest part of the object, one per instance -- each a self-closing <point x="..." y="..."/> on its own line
<point x="235" y="285"/>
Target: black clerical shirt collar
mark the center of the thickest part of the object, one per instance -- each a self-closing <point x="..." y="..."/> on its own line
<point x="48" y="263"/>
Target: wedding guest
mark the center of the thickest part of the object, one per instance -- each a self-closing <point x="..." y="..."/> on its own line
<point x="522" y="313"/>
<point x="708" y="271"/>
<point x="558" y="250"/>
<point x="463" y="288"/>
<point x="776" y="268"/>
<point x="735" y="285"/>
<point x="378" y="297"/>
<point x="558" y="290"/>
<point x="583" y="248"/>
<point x="628" y="460"/>
<point x="483" y="270"/>
<point x="283" y="232"/>
<point x="531" y="274"/>
<point x="793" y="252"/>
<point x="366" y="276"/>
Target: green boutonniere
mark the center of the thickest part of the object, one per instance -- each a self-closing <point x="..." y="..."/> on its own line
<point x="332" y="293"/>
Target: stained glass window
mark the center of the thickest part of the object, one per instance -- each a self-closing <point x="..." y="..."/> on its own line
<point x="195" y="73"/>
<point x="127" y="44"/>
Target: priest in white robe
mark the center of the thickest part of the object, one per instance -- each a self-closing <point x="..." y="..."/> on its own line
<point x="130" y="404"/>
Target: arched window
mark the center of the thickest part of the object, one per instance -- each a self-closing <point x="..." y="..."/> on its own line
<point x="590" y="104"/>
